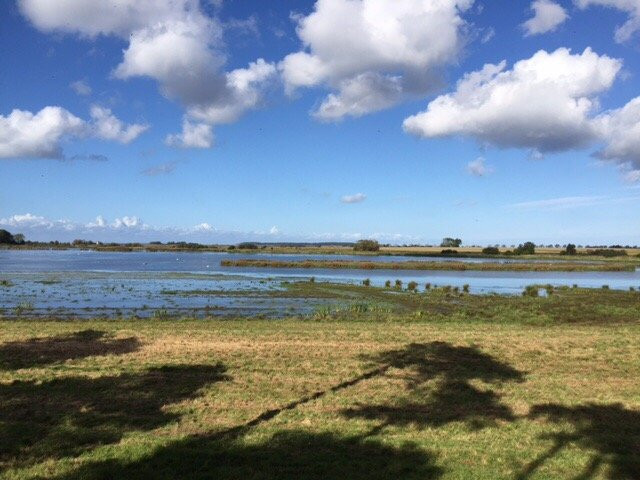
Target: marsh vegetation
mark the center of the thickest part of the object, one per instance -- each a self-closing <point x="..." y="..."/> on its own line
<point x="388" y="383"/>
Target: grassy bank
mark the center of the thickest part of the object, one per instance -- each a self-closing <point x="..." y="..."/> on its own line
<point x="324" y="400"/>
<point x="437" y="385"/>
<point x="425" y="265"/>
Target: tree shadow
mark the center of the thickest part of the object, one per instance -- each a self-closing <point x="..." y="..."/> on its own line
<point x="67" y="416"/>
<point x="287" y="455"/>
<point x="438" y="376"/>
<point x="611" y="431"/>
<point x="37" y="352"/>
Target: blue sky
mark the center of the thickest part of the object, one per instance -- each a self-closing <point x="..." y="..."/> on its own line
<point x="232" y="120"/>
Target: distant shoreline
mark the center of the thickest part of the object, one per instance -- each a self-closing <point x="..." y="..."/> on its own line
<point x="455" y="266"/>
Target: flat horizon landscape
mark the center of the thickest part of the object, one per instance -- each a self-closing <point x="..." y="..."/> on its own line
<point x="319" y="240"/>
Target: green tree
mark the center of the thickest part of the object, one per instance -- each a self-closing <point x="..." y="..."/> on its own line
<point x="6" y="238"/>
<point x="526" y="248"/>
<point x="451" y="242"/>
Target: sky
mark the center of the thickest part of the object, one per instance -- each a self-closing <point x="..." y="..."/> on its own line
<point x="406" y="121"/>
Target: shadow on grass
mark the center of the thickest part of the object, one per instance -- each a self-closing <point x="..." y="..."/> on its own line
<point x="37" y="352"/>
<point x="67" y="416"/>
<point x="610" y="431"/>
<point x="438" y="377"/>
<point x="286" y="455"/>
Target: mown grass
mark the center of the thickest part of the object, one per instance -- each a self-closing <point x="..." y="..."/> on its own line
<point x="426" y="265"/>
<point x="476" y="387"/>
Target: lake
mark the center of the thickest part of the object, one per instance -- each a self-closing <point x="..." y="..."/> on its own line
<point x="88" y="283"/>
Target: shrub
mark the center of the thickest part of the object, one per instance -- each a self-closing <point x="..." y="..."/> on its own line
<point x="399" y="284"/>
<point x="427" y="286"/>
<point x="366" y="282"/>
<point x="412" y="286"/>
<point x="570" y="250"/>
<point x="312" y="280"/>
<point x="605" y="252"/>
<point x="387" y="284"/>
<point x="366" y="246"/>
<point x="549" y="289"/>
<point x="465" y="288"/>
<point x="527" y="248"/>
<point x="605" y="287"/>
<point x="491" y="250"/>
<point x="448" y="251"/>
<point x="530" y="291"/>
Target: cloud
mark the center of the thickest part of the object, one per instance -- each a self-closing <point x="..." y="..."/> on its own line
<point x="26" y="220"/>
<point x="162" y="169"/>
<point x="548" y="16"/>
<point x="544" y="103"/>
<point x="108" y="127"/>
<point x="355" y="198"/>
<point x="547" y="103"/>
<point x="193" y="135"/>
<point x="631" y="27"/>
<point x="24" y="134"/>
<point x="478" y="168"/>
<point x="171" y="41"/>
<point x="127" y="222"/>
<point x="243" y="91"/>
<point x="203" y="227"/>
<point x="81" y="87"/>
<point x="130" y="229"/>
<point x="621" y="130"/>
<point x="99" y="223"/>
<point x="374" y="54"/>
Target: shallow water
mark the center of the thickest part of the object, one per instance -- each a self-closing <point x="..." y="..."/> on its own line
<point x="87" y="283"/>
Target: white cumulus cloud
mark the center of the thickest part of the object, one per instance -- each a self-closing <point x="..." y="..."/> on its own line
<point x="108" y="127"/>
<point x="193" y="135"/>
<point x="25" y="134"/>
<point x="543" y="103"/>
<point x="373" y="54"/>
<point x="171" y="41"/>
<point x="620" y="130"/>
<point x="548" y="15"/>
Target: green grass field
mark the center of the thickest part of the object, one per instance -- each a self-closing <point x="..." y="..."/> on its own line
<point x="394" y="384"/>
